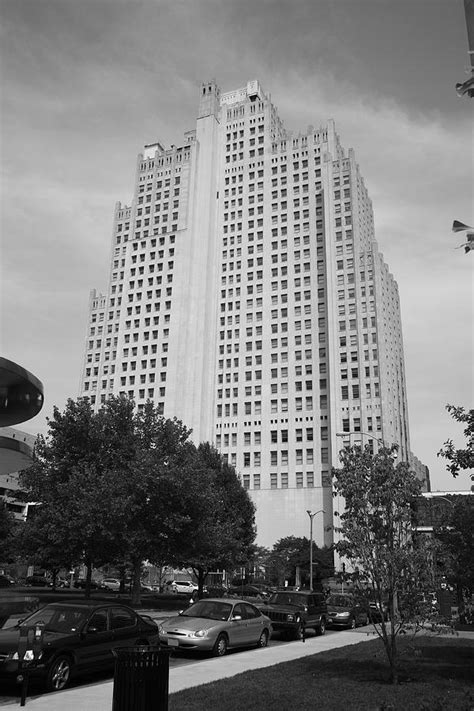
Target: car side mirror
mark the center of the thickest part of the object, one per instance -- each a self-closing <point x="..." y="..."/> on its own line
<point x="236" y="618"/>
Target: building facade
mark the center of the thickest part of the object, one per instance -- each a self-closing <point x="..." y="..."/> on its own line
<point x="248" y="298"/>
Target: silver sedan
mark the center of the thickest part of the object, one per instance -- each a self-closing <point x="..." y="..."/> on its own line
<point x="214" y="625"/>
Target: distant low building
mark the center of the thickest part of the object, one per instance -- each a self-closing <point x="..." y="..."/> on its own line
<point x="16" y="451"/>
<point x="434" y="508"/>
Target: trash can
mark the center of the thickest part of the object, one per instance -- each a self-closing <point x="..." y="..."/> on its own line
<point x="141" y="679"/>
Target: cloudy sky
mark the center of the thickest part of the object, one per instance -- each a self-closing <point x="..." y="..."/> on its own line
<point x="86" y="83"/>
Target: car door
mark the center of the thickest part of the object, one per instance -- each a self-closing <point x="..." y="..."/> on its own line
<point x="254" y="623"/>
<point x="96" y="641"/>
<point x="238" y="628"/>
<point x="123" y="623"/>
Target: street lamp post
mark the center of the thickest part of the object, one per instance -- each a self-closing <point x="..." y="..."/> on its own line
<point x="311" y="515"/>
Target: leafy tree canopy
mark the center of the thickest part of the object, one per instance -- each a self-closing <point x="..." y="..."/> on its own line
<point x="455" y="556"/>
<point x="460" y="459"/>
<point x="377" y="536"/>
<point x="7" y="526"/>
<point x="220" y="528"/>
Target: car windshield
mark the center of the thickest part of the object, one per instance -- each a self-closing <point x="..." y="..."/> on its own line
<point x="209" y="610"/>
<point x="287" y="599"/>
<point x="339" y="601"/>
<point x="57" y="619"/>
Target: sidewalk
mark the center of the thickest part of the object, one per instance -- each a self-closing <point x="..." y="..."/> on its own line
<point x="98" y="697"/>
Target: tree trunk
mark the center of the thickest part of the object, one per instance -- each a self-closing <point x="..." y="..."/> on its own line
<point x="136" y="582"/>
<point x="460" y="601"/>
<point x="389" y="639"/>
<point x="88" y="579"/>
<point x="201" y="575"/>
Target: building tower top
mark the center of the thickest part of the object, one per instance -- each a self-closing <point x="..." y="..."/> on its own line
<point x="209" y="103"/>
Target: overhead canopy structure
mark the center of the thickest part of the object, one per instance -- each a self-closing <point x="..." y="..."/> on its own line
<point x="21" y="394"/>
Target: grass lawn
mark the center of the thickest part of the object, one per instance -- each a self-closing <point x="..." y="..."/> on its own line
<point x="437" y="674"/>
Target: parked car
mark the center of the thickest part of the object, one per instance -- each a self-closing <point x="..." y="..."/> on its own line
<point x="60" y="583"/>
<point x="38" y="581"/>
<point x="292" y="611"/>
<point x="110" y="584"/>
<point x="81" y="584"/>
<point x="250" y="592"/>
<point x="181" y="586"/>
<point x="377" y="611"/>
<point x="346" y="611"/>
<point x="215" y="625"/>
<point x="145" y="587"/>
<point x="6" y="581"/>
<point x="78" y="636"/>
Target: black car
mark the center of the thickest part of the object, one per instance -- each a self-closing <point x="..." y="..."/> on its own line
<point x="37" y="581"/>
<point x="293" y="611"/>
<point x="6" y="581"/>
<point x="81" y="585"/>
<point x="249" y="592"/>
<point x="346" y="611"/>
<point x="68" y="638"/>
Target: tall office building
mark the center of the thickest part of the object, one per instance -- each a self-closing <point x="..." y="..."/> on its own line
<point x="248" y="298"/>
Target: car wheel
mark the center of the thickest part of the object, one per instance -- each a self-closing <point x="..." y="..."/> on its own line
<point x="263" y="641"/>
<point x="321" y="628"/>
<point x="59" y="673"/>
<point x="297" y="632"/>
<point x="352" y="623"/>
<point x="220" y="647"/>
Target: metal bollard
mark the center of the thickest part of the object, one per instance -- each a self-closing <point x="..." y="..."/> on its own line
<point x="141" y="679"/>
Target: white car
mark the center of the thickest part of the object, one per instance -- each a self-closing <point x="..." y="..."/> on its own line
<point x="181" y="586"/>
<point x="110" y="584"/>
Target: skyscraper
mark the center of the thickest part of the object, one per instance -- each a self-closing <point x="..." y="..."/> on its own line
<point x="248" y="298"/>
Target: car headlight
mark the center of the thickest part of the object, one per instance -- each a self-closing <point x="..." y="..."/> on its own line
<point x="198" y="633"/>
<point x="343" y="614"/>
<point x="13" y="656"/>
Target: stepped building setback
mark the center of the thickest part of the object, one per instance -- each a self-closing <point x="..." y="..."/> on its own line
<point x="248" y="298"/>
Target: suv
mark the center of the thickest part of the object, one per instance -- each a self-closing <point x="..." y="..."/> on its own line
<point x="293" y="611"/>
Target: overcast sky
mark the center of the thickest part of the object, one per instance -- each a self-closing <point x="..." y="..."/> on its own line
<point x="85" y="84"/>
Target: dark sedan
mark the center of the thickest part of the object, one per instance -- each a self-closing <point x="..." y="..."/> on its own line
<point x="63" y="639"/>
<point x="346" y="611"/>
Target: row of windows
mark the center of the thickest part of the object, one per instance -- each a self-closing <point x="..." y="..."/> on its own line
<point x="255" y="407"/>
<point x="280" y="480"/>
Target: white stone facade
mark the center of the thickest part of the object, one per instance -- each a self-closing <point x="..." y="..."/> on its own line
<point x="248" y="298"/>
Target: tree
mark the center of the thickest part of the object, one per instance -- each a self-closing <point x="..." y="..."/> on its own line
<point x="71" y="479"/>
<point x="7" y="526"/>
<point x="456" y="554"/>
<point x="378" y="539"/>
<point x="107" y="482"/>
<point x="152" y="500"/>
<point x="220" y="528"/>
<point x="40" y="542"/>
<point x="460" y="458"/>
<point x="292" y="552"/>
